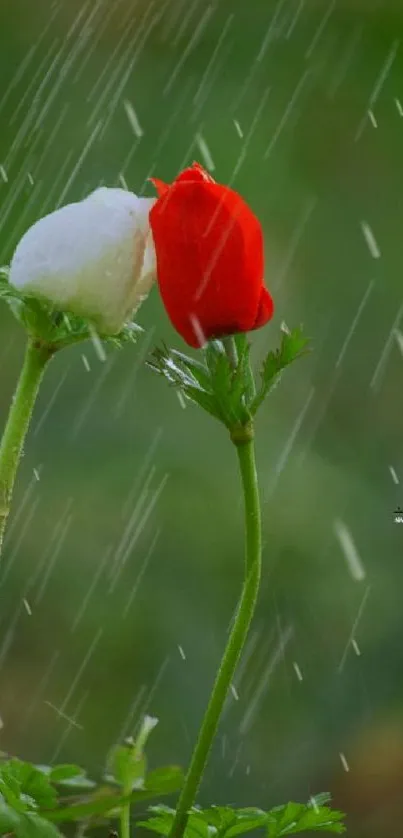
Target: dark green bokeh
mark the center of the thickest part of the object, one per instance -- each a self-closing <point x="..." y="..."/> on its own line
<point x="320" y="155"/>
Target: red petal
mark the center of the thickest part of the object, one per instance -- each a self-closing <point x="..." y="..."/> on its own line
<point x="265" y="310"/>
<point x="160" y="186"/>
<point x="209" y="248"/>
<point x="194" y="173"/>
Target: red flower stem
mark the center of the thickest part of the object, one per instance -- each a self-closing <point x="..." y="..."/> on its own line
<point x="237" y="638"/>
<point x="36" y="358"/>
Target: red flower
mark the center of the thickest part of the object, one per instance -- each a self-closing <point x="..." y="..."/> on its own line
<point x="210" y="259"/>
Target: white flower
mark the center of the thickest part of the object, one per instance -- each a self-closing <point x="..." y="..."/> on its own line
<point x="94" y="258"/>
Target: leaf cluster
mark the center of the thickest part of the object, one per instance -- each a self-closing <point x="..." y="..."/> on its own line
<point x="55" y="328"/>
<point x="226" y="822"/>
<point x="34" y="799"/>
<point x="223" y="383"/>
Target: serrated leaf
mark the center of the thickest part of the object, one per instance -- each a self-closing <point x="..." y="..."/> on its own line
<point x="107" y="801"/>
<point x="165" y="780"/>
<point x="247" y="822"/>
<point x="25" y="787"/>
<point x="197" y="827"/>
<point x="6" y="290"/>
<point x="127" y="767"/>
<point x="293" y="346"/>
<point x="55" y="327"/>
<point x="33" y="826"/>
<point x="199" y="372"/>
<point x="295" y="818"/>
<point x="101" y="804"/>
<point x="219" y="816"/>
<point x="162" y="821"/>
<point x="81" y="782"/>
<point x="231" y="822"/>
<point x="225" y="822"/>
<point x="172" y="366"/>
<point x="204" y="400"/>
<point x="70" y="775"/>
<point x="229" y="385"/>
<point x="215" y="386"/>
<point x="244" y="369"/>
<point x="8" y="819"/>
<point x="202" y="822"/>
<point x="130" y="333"/>
<point x="180" y="372"/>
<point x="320" y="799"/>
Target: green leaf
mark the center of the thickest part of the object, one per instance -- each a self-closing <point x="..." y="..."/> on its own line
<point x="199" y="372"/>
<point x="176" y="368"/>
<point x="8" y="819"/>
<point x="106" y="801"/>
<point x="231" y="822"/>
<point x="55" y="327"/>
<point x="293" y="346"/>
<point x="215" y="386"/>
<point x="25" y="787"/>
<point x="180" y="372"/>
<point x="127" y="767"/>
<point x="70" y="775"/>
<point x="226" y="822"/>
<point x="204" y="400"/>
<point x="165" y="780"/>
<point x="25" y="824"/>
<point x="7" y="291"/>
<point x="129" y="334"/>
<point x="201" y="822"/>
<point x="161" y="822"/>
<point x="247" y="820"/>
<point x="229" y="385"/>
<point x="244" y="370"/>
<point x="294" y="818"/>
<point x="127" y="762"/>
<point x="33" y="826"/>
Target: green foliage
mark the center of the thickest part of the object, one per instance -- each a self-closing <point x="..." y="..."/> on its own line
<point x="106" y="801"/>
<point x="34" y="798"/>
<point x="71" y="776"/>
<point x="187" y="375"/>
<point x="225" y="822"/>
<point x="128" y="768"/>
<point x="215" y="385"/>
<point x="127" y="762"/>
<point x="56" y="328"/>
<point x="31" y="801"/>
<point x="24" y="792"/>
<point x="25" y="825"/>
<point x="298" y="818"/>
<point x="224" y="385"/>
<point x="293" y="345"/>
<point x="26" y="787"/>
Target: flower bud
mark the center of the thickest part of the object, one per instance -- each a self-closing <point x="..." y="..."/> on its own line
<point x="94" y="258"/>
<point x="210" y="258"/>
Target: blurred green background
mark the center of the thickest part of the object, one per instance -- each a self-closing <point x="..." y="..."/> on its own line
<point x="123" y="558"/>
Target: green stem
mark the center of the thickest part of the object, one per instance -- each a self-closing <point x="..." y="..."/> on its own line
<point x="231" y="350"/>
<point x="36" y="357"/>
<point x="125" y="820"/>
<point x="236" y="641"/>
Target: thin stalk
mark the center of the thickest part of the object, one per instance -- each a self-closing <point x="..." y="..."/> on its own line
<point x="231" y="350"/>
<point x="36" y="357"/>
<point x="236" y="641"/>
<point x="125" y="818"/>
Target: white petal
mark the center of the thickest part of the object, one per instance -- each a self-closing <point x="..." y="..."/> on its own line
<point x="87" y="257"/>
